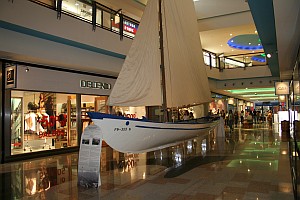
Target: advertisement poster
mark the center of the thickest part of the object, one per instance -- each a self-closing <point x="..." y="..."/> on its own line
<point x="89" y="157"/>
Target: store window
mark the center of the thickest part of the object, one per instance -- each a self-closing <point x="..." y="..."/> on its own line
<point x="90" y="103"/>
<point x="206" y="58"/>
<point x="213" y="61"/>
<point x="42" y="121"/>
<point x="131" y="112"/>
<point x="78" y="8"/>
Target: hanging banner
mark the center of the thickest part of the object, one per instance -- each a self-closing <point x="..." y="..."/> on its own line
<point x="282" y="88"/>
<point x="89" y="157"/>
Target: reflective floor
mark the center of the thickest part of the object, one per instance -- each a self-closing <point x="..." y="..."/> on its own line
<point x="245" y="164"/>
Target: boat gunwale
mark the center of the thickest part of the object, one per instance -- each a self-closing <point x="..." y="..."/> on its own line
<point x="102" y="116"/>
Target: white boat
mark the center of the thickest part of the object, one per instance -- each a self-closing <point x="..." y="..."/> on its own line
<point x="136" y="136"/>
<point x="164" y="67"/>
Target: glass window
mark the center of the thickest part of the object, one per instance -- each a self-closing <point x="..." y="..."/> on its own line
<point x="213" y="60"/>
<point x="107" y="20"/>
<point x="78" y="9"/>
<point x="206" y="58"/>
<point x="98" y="17"/>
<point x="90" y="103"/>
<point x="42" y="121"/>
<point x="115" y="23"/>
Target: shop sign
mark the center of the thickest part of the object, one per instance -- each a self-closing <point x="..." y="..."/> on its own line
<point x="95" y="85"/>
<point x="10" y="77"/>
<point x="281" y="88"/>
<point x="130" y="27"/>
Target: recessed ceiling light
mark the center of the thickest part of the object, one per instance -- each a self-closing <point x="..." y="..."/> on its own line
<point x="269" y="55"/>
<point x="246" y="88"/>
<point x="252" y="51"/>
<point x="249" y="43"/>
<point x="247" y="57"/>
<point x="255" y="31"/>
<point x="259" y="44"/>
<point x="221" y="45"/>
<point x="230" y="34"/>
<point x="231" y="49"/>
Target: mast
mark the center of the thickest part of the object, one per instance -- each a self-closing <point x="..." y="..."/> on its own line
<point x="162" y="65"/>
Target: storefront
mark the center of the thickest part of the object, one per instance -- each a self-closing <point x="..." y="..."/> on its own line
<point x="218" y="103"/>
<point x="46" y="109"/>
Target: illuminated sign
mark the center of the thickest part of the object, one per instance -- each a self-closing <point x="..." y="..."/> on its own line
<point x="95" y="85"/>
<point x="10" y="77"/>
<point x="130" y="27"/>
<point x="281" y="88"/>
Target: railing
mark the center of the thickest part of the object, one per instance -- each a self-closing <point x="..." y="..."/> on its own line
<point x="94" y="13"/>
<point x="101" y="16"/>
<point x="222" y="62"/>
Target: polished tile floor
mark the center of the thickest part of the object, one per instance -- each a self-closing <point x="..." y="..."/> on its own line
<point x="248" y="164"/>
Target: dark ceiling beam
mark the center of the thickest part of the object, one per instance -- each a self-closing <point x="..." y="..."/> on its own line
<point x="263" y="16"/>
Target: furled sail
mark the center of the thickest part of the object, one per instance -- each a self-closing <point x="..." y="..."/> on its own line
<point x="139" y="82"/>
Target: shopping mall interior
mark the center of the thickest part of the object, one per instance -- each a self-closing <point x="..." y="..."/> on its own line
<point x="62" y="59"/>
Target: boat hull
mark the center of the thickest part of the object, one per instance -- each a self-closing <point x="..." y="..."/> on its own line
<point x="133" y="136"/>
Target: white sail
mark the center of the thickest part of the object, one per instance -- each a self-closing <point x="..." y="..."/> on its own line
<point x="186" y="78"/>
<point x="139" y="82"/>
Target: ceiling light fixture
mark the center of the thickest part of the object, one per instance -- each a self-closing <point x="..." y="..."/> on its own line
<point x="27" y="69"/>
<point x="245" y="42"/>
<point x="269" y="55"/>
<point x="258" y="58"/>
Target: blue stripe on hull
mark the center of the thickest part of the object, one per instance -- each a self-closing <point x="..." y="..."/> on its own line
<point x="186" y="129"/>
